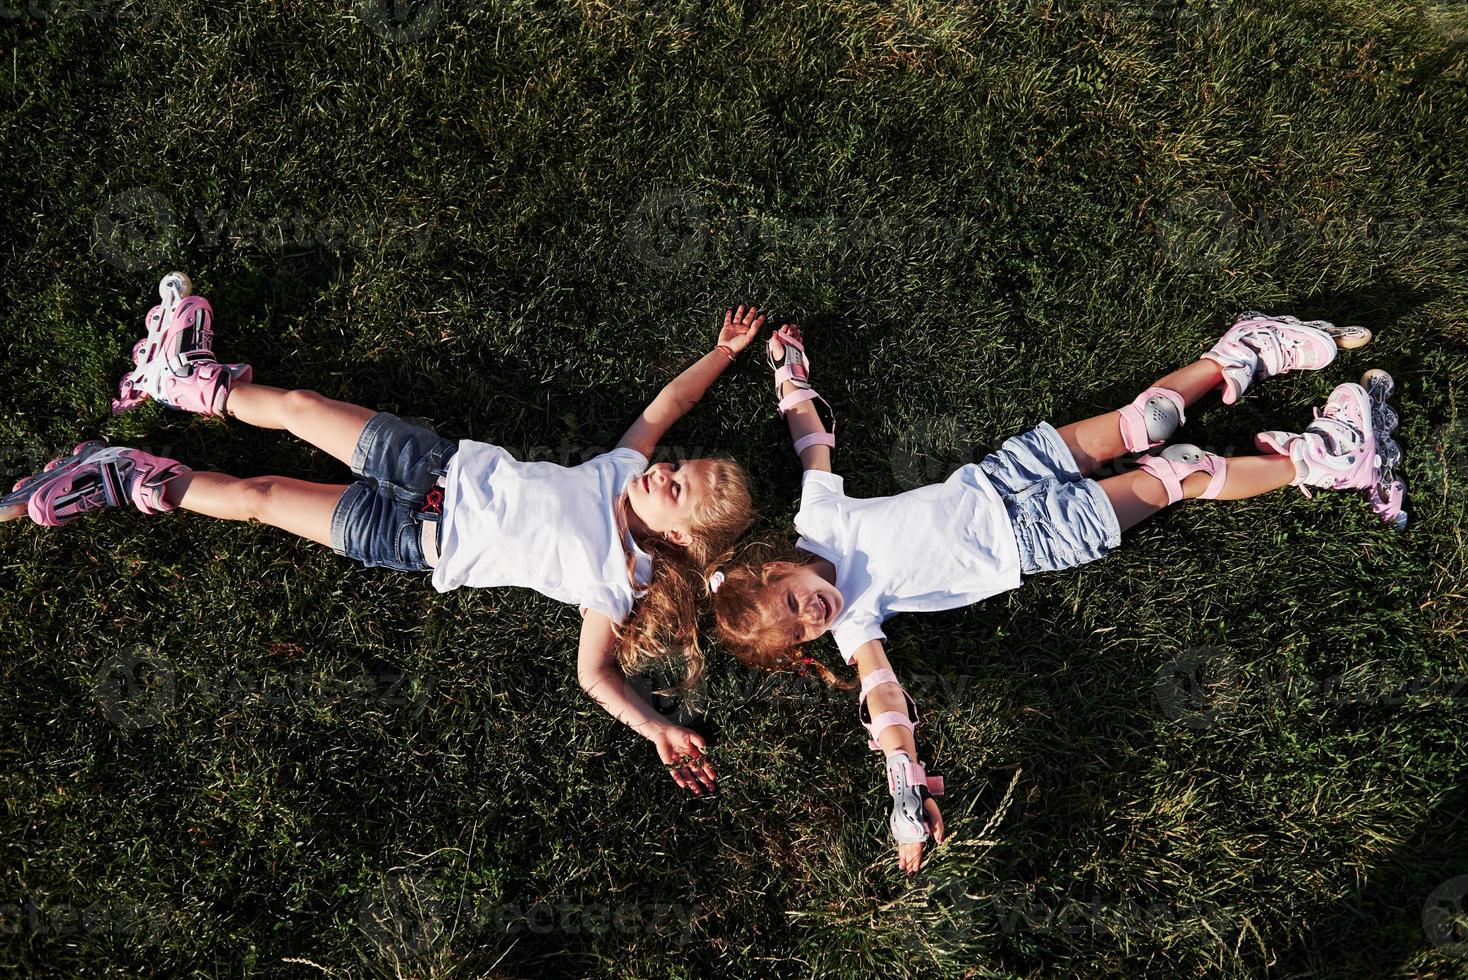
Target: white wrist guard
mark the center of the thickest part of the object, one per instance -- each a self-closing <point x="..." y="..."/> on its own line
<point x="794" y="367"/>
<point x="910" y="786"/>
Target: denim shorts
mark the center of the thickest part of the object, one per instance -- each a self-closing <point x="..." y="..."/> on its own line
<point x="378" y="520"/>
<point x="1061" y="519"/>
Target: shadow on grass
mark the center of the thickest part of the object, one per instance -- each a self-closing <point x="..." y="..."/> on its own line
<point x="1380" y="307"/>
<point x="1383" y="927"/>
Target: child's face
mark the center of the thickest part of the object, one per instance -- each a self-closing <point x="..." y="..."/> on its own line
<point x="802" y="602"/>
<point x="667" y="495"/>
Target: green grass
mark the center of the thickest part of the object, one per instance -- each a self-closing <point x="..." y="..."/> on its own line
<point x="517" y="226"/>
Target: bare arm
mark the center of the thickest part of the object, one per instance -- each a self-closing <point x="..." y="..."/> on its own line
<point x="803" y="419"/>
<point x="601" y="678"/>
<point x="871" y="657"/>
<point x="683" y="392"/>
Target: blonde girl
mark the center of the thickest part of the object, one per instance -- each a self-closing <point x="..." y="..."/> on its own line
<point x="627" y="542"/>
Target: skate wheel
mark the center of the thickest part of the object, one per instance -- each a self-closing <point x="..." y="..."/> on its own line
<point x="1390" y="453"/>
<point x="77" y="450"/>
<point x="1350" y="338"/>
<point x="174" y="287"/>
<point x="1378" y="377"/>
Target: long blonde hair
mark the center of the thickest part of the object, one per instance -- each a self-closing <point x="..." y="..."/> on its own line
<point x="664" y="619"/>
<point x="742" y="611"/>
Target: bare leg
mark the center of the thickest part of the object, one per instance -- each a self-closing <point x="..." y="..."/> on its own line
<point x="304" y="509"/>
<point x="1137" y="496"/>
<point x="1096" y="440"/>
<point x="329" y="425"/>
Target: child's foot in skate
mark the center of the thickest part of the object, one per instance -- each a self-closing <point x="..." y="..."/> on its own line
<point x="94" y="476"/>
<point x="175" y="363"/>
<point x="1349" y="446"/>
<point x="1261" y="346"/>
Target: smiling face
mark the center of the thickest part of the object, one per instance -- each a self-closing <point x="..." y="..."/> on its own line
<point x="803" y="603"/>
<point x="666" y="497"/>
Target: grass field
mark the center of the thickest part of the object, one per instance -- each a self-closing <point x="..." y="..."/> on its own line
<point x="1236" y="747"/>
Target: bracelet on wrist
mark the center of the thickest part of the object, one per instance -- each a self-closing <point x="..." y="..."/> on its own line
<point x="726" y="352"/>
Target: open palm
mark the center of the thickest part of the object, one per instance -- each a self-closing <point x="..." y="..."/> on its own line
<point x="681" y="749"/>
<point x="740" y="328"/>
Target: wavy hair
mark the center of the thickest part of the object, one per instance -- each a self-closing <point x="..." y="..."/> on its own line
<point x="742" y="608"/>
<point x="664" y="620"/>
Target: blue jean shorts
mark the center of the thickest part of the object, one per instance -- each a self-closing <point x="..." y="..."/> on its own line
<point x="378" y="520"/>
<point x="1061" y="519"/>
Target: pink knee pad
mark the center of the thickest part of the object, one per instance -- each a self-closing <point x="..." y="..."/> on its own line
<point x="1176" y="463"/>
<point x="1151" y="419"/>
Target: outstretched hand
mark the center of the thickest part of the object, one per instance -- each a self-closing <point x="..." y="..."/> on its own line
<point x="681" y="750"/>
<point x="910" y="856"/>
<point x="740" y="328"/>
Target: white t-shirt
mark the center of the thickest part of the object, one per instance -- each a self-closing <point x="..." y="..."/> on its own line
<point x="540" y="525"/>
<point x="942" y="546"/>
